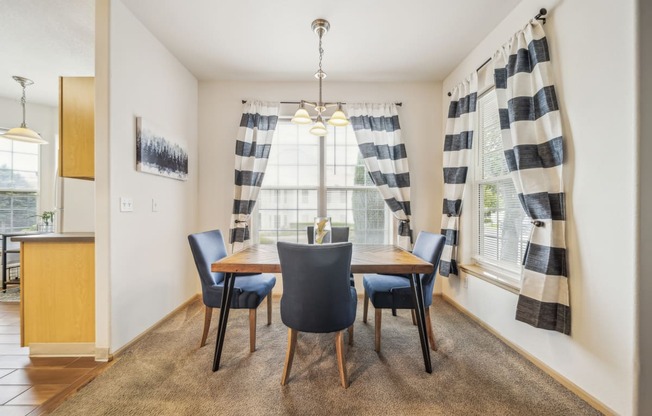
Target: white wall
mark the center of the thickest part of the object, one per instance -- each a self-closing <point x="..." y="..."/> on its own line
<point x="143" y="257"/>
<point x="593" y="52"/>
<point x="220" y="109"/>
<point x="45" y="120"/>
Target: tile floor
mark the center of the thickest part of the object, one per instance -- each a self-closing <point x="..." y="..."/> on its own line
<point x="27" y="383"/>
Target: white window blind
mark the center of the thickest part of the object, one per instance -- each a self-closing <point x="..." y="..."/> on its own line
<point x="19" y="185"/>
<point x="503" y="228"/>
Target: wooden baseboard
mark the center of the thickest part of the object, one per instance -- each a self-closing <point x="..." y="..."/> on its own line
<point x="153" y="327"/>
<point x="102" y="354"/>
<point x="595" y="403"/>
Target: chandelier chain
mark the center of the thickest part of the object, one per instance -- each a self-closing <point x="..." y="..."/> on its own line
<point x="23" y="102"/>
<point x="338" y="118"/>
<point x="320" y="72"/>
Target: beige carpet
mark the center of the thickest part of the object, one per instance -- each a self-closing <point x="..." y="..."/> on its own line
<point x="473" y="373"/>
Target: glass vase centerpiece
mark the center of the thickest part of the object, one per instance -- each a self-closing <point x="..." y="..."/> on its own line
<point x="46" y="222"/>
<point x="322" y="230"/>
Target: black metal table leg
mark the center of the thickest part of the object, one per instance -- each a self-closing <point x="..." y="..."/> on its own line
<point x="417" y="293"/>
<point x="227" y="295"/>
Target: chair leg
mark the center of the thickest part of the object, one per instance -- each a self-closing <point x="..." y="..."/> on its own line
<point x="393" y="311"/>
<point x="269" y="308"/>
<point x="431" y="335"/>
<point x="366" y="307"/>
<point x="341" y="364"/>
<point x="252" y="330"/>
<point x="379" y="317"/>
<point x="289" y="355"/>
<point x="414" y="317"/>
<point x="351" y="335"/>
<point x="208" y="313"/>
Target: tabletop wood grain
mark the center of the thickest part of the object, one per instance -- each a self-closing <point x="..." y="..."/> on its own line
<point x="263" y="258"/>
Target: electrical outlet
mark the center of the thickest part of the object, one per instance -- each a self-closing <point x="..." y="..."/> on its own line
<point x="154" y="205"/>
<point x="465" y="280"/>
<point x="126" y="204"/>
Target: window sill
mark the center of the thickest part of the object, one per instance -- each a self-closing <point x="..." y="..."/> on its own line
<point x="490" y="277"/>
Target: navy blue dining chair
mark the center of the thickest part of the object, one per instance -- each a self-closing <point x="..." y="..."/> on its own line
<point x="249" y="290"/>
<point x="394" y="291"/>
<point x="317" y="296"/>
<point x="339" y="234"/>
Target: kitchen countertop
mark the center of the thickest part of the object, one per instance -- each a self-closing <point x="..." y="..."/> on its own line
<point x="56" y="238"/>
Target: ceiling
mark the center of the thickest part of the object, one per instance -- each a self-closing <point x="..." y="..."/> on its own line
<point x="369" y="40"/>
<point x="43" y="39"/>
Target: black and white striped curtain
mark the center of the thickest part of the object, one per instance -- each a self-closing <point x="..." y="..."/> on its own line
<point x="378" y="133"/>
<point x="252" y="148"/>
<point x="458" y="144"/>
<point x="533" y="144"/>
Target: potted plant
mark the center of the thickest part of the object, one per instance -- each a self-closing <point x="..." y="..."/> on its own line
<point x="47" y="218"/>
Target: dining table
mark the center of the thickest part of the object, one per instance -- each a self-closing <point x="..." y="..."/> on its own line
<point x="383" y="259"/>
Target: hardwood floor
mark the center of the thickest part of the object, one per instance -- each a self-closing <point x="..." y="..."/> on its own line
<point x="30" y="386"/>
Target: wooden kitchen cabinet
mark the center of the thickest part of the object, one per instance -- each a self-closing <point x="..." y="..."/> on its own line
<point x="58" y="293"/>
<point x="77" y="127"/>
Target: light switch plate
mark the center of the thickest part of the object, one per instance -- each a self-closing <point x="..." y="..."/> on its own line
<point x="126" y="204"/>
<point x="154" y="205"/>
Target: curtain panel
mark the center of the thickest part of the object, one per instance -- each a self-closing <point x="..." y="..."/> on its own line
<point x="533" y="144"/>
<point x="458" y="145"/>
<point x="378" y="133"/>
<point x="252" y="148"/>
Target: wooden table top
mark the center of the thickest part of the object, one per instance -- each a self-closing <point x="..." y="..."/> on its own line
<point x="263" y="258"/>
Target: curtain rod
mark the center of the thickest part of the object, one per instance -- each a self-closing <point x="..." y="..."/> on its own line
<point x="540" y="16"/>
<point x="299" y="102"/>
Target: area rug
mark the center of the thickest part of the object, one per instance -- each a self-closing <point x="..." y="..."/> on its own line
<point x="12" y="294"/>
<point x="474" y="373"/>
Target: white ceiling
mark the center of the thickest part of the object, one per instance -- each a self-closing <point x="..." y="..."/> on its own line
<point x="42" y="40"/>
<point x="370" y="40"/>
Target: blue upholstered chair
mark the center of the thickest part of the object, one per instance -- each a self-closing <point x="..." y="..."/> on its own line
<point x="317" y="296"/>
<point x="249" y="290"/>
<point x="340" y="234"/>
<point x="394" y="292"/>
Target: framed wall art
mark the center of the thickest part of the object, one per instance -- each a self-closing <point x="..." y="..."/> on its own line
<point x="158" y="154"/>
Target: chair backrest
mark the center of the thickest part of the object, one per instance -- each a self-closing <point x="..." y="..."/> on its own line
<point x="317" y="296"/>
<point x="429" y="247"/>
<point x="339" y="234"/>
<point x="206" y="248"/>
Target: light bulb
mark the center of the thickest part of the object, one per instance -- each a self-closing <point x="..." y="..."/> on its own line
<point x="338" y="119"/>
<point x="301" y="116"/>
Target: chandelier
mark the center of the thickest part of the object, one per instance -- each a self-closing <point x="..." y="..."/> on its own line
<point x="338" y="118"/>
<point x="23" y="133"/>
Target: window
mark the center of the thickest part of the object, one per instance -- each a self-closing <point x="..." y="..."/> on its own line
<point x="503" y="228"/>
<point x="306" y="175"/>
<point x="19" y="185"/>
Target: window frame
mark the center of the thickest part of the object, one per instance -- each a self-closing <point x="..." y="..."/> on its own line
<point x="322" y="191"/>
<point x="501" y="273"/>
<point x="36" y="191"/>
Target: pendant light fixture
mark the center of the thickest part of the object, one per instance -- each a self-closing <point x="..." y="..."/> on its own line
<point x="320" y="27"/>
<point x="23" y="133"/>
